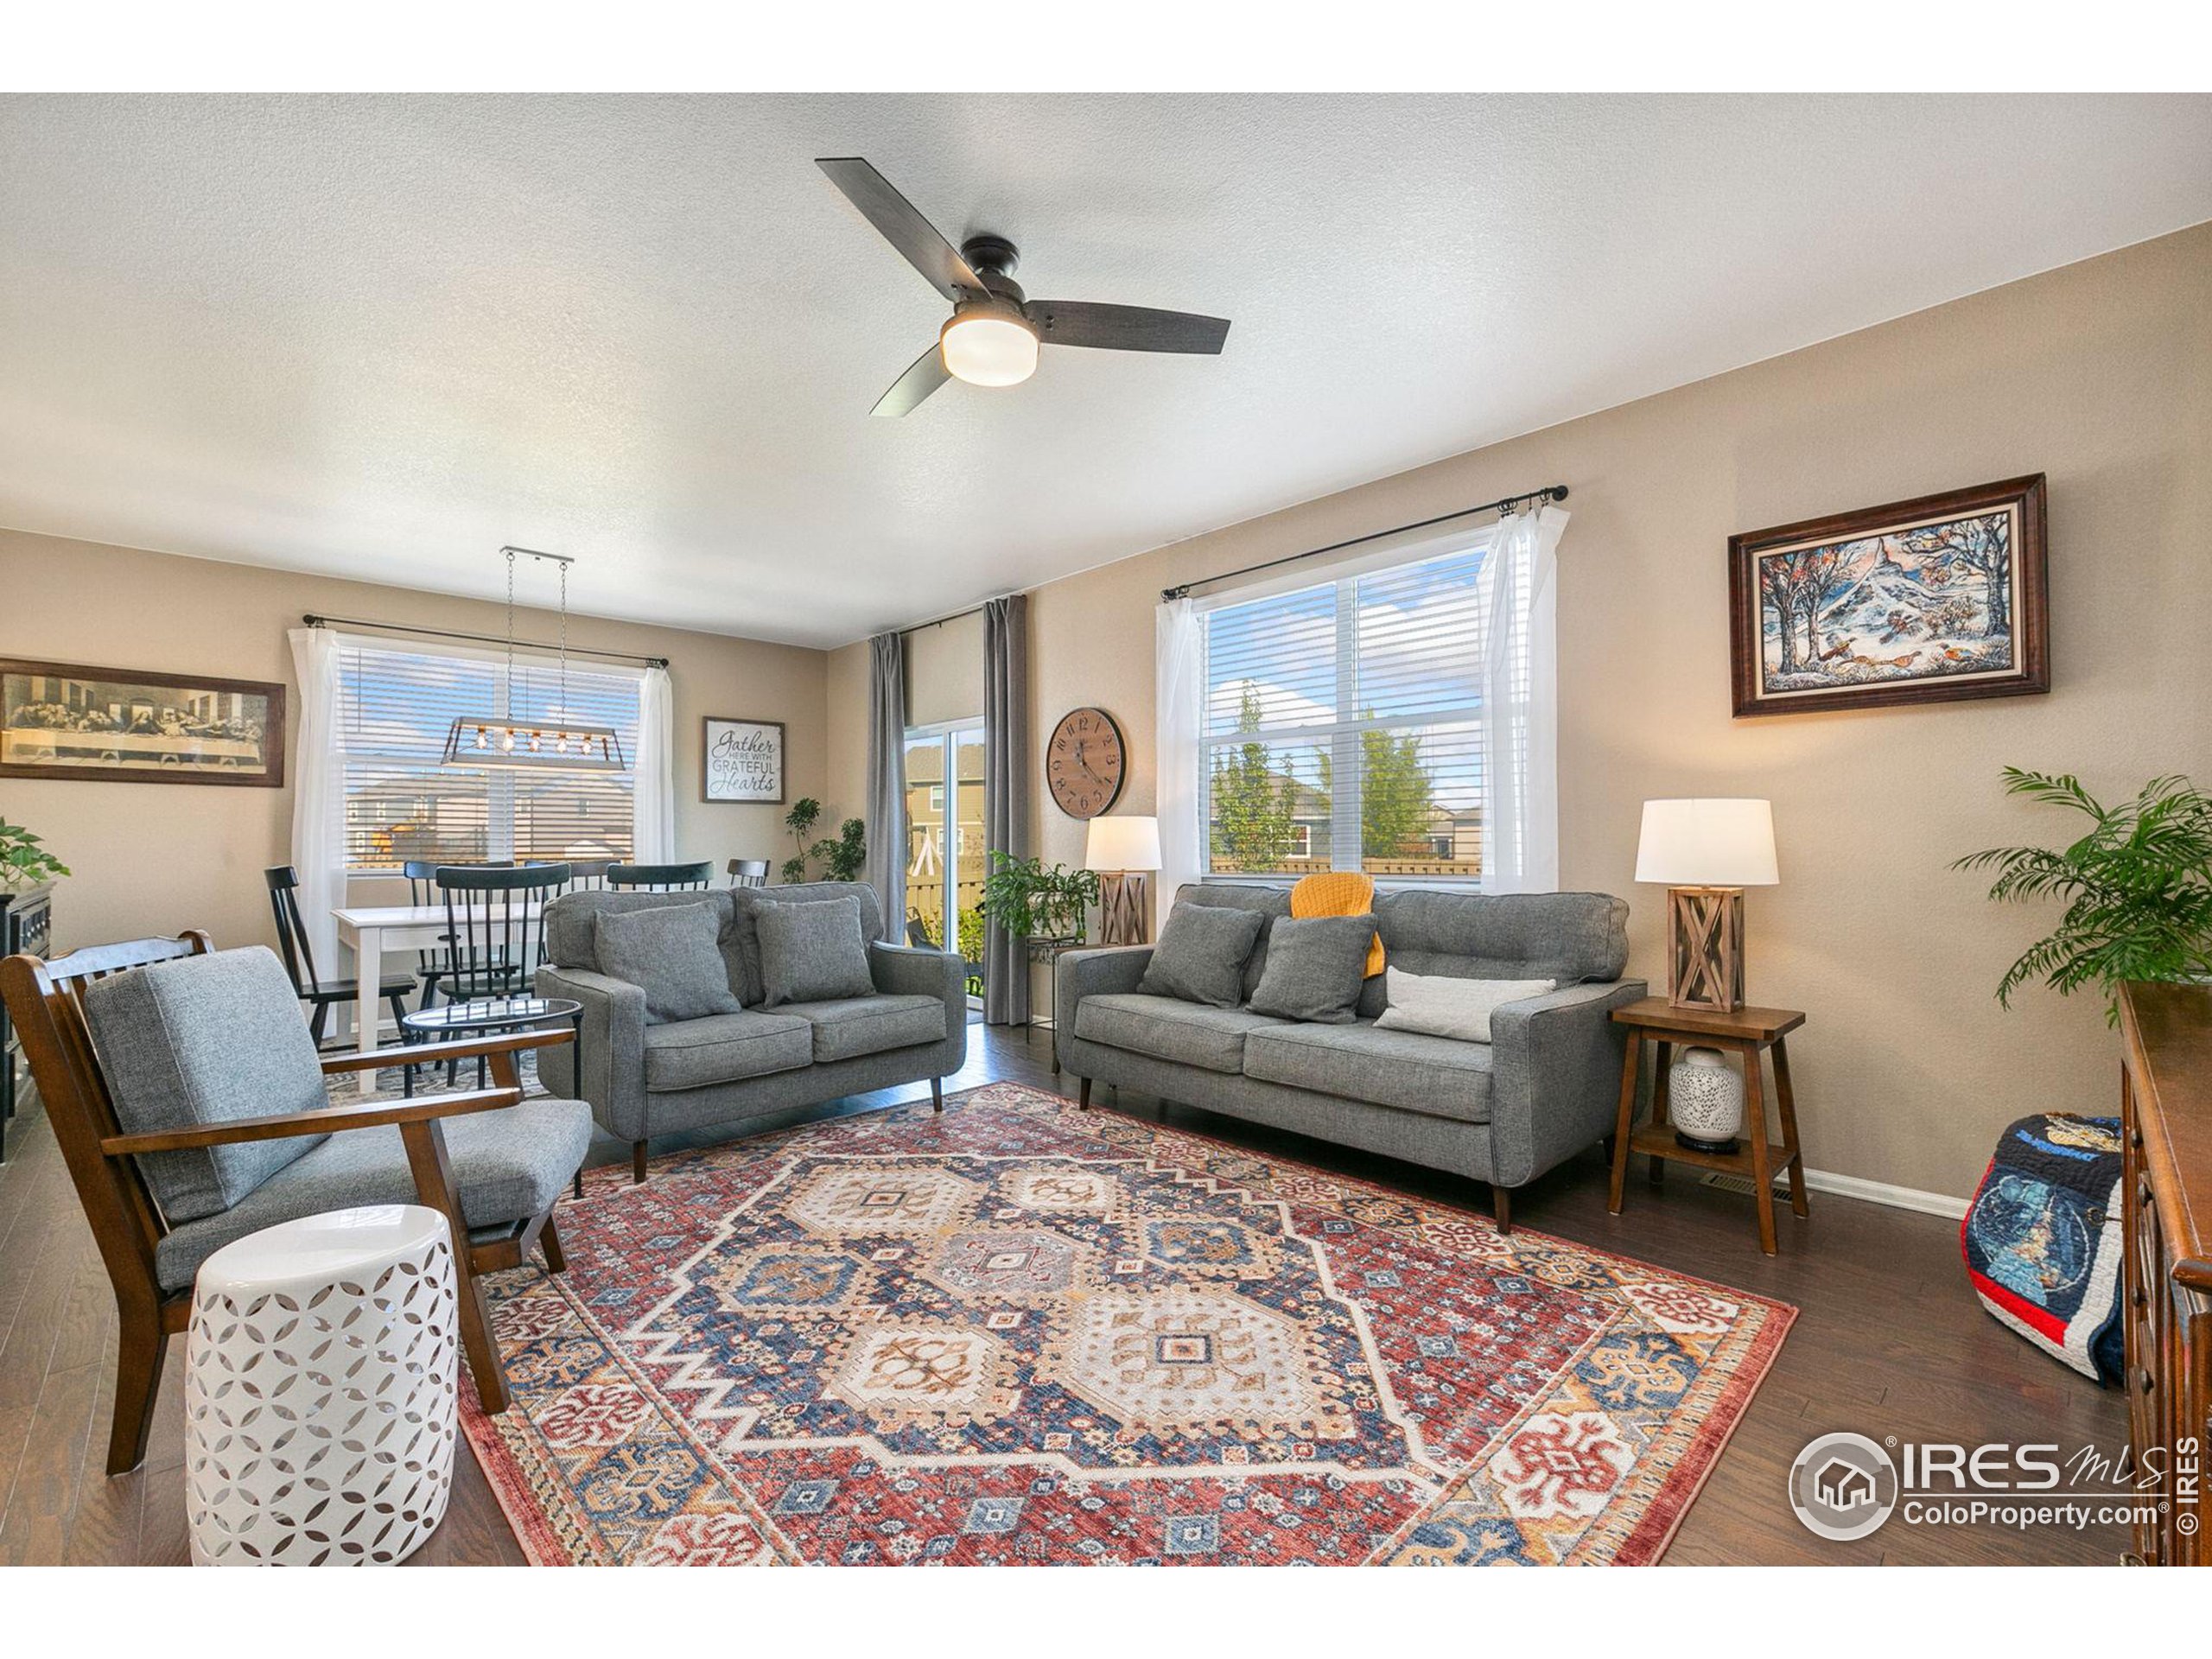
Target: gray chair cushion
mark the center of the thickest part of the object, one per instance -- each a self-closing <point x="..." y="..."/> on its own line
<point x="669" y="952"/>
<point x="1169" y="1029"/>
<point x="723" y="1047"/>
<point x="848" y="1027"/>
<point x="742" y="943"/>
<point x="1417" y="1073"/>
<point x="1201" y="954"/>
<point x="507" y="1166"/>
<point x="203" y="1040"/>
<point x="1315" y="968"/>
<point x="572" y="921"/>
<point x="1271" y="901"/>
<point x="812" y="953"/>
<point x="1574" y="937"/>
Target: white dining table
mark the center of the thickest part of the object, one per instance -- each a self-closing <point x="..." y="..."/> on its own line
<point x="374" y="929"/>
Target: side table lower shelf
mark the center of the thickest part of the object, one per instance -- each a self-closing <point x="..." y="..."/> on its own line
<point x="1748" y="1032"/>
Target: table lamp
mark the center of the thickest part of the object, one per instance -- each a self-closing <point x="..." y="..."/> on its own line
<point x="1707" y="852"/>
<point x="1124" y="851"/>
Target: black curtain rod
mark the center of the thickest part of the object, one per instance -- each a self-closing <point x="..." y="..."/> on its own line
<point x="949" y="616"/>
<point x="314" y="621"/>
<point x="939" y="621"/>
<point x="1549" y="492"/>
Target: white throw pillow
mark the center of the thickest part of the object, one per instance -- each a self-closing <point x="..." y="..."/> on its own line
<point x="1452" y="1007"/>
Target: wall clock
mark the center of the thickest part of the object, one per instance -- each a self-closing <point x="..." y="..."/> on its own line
<point x="1085" y="762"/>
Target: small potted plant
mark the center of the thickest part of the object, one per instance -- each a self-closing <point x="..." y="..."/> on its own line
<point x="844" y="857"/>
<point x="2138" y="888"/>
<point x="24" y="861"/>
<point x="1032" y="902"/>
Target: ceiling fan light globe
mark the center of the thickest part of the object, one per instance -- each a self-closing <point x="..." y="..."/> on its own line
<point x="989" y="348"/>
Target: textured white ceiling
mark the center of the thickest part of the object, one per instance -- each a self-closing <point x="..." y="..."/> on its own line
<point x="377" y="337"/>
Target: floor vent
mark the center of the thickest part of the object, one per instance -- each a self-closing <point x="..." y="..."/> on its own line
<point x="1742" y="1183"/>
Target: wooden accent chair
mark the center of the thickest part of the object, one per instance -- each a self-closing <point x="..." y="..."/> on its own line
<point x="659" y="878"/>
<point x="495" y="1178"/>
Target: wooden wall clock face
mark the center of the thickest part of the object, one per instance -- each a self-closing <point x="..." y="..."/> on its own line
<point x="1086" y="763"/>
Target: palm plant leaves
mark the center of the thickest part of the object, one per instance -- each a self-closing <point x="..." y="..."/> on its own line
<point x="2136" y="886"/>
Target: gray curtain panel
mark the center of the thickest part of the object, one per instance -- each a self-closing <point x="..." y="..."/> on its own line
<point x="886" y="779"/>
<point x="1006" y="792"/>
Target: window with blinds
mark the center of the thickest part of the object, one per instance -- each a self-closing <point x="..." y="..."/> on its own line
<point x="1344" y="725"/>
<point x="396" y="706"/>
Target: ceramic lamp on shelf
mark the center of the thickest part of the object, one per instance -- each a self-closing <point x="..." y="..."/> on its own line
<point x="1124" y="851"/>
<point x="1707" y="852"/>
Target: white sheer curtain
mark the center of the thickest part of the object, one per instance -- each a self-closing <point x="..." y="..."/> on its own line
<point x="1178" y="635"/>
<point x="319" y="795"/>
<point x="653" y="804"/>
<point x="1520" y="705"/>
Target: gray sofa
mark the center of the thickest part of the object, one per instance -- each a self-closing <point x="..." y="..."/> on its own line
<point x="645" y="1080"/>
<point x="1544" y="1088"/>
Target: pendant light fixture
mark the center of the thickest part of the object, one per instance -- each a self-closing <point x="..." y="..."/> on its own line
<point x="517" y="744"/>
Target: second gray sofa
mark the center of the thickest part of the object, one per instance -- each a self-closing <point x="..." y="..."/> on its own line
<point x="645" y="1080"/>
<point x="1546" y="1086"/>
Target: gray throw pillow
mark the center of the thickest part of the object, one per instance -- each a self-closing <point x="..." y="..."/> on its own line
<point x="1315" y="968"/>
<point x="667" y="952"/>
<point x="812" y="953"/>
<point x="1200" y="956"/>
<point x="200" y="1041"/>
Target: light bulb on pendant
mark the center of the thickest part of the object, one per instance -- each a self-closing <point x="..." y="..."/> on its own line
<point x="507" y="742"/>
<point x="988" y="343"/>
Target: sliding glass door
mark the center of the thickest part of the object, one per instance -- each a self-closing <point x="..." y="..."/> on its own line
<point x="944" y="840"/>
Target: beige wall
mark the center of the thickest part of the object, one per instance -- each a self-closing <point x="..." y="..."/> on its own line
<point x="2098" y="375"/>
<point x="945" y="672"/>
<point x="154" y="858"/>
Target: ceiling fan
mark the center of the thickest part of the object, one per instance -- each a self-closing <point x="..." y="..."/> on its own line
<point x="994" y="334"/>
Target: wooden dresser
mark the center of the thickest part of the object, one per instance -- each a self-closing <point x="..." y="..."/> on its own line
<point x="2166" y="1102"/>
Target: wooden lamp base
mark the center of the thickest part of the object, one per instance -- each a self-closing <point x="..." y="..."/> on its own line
<point x="1705" y="948"/>
<point x="1123" y="901"/>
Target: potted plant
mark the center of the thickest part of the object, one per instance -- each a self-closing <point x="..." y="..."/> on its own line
<point x="24" y="861"/>
<point x="1030" y="901"/>
<point x="2138" y="888"/>
<point x="843" y="856"/>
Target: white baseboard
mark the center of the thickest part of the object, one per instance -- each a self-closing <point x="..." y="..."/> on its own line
<point x="1896" y="1197"/>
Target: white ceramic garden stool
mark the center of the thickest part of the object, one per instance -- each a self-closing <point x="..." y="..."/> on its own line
<point x="320" y="1390"/>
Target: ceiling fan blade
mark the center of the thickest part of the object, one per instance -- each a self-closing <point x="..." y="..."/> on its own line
<point x="903" y="226"/>
<point x="1126" y="327"/>
<point x="925" y="374"/>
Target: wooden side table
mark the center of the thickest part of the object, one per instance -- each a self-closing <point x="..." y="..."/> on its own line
<point x="1750" y="1032"/>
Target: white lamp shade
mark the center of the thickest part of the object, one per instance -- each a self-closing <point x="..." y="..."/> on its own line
<point x="1125" y="843"/>
<point x="1707" y="844"/>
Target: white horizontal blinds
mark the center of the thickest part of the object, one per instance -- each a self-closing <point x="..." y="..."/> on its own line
<point x="396" y="706"/>
<point x="559" y="816"/>
<point x="1343" y="725"/>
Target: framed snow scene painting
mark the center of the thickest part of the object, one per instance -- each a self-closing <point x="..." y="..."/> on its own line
<point x="1918" y="602"/>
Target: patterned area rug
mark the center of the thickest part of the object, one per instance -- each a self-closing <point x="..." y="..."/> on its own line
<point x="1020" y="1333"/>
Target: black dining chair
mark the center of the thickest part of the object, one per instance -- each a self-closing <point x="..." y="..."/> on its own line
<point x="748" y="872"/>
<point x="318" y="993"/>
<point x="659" y="878"/>
<point x="588" y="874"/>
<point x="494" y="939"/>
<point x="422" y="875"/>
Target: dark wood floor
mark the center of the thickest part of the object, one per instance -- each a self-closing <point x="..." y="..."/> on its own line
<point x="1889" y="1341"/>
